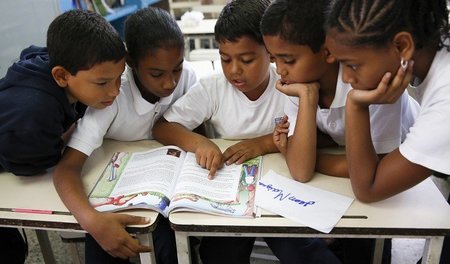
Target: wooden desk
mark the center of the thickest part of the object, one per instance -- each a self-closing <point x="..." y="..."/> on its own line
<point x="204" y="30"/>
<point x="38" y="193"/>
<point x="421" y="212"/>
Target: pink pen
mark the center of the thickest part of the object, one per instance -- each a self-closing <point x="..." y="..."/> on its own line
<point x="32" y="211"/>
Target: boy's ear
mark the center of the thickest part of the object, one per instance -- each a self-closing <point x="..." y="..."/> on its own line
<point x="328" y="57"/>
<point x="61" y="76"/>
<point x="404" y="45"/>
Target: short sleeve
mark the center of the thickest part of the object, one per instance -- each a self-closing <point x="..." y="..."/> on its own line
<point x="192" y="109"/>
<point x="91" y="129"/>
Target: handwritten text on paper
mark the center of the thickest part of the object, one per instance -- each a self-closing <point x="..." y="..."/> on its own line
<point x="280" y="196"/>
<point x="308" y="205"/>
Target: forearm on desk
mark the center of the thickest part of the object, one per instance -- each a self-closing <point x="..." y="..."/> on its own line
<point x="70" y="188"/>
<point x="249" y="148"/>
<point x="332" y="164"/>
<point x="302" y="145"/>
<point x="171" y="133"/>
<point x="267" y="145"/>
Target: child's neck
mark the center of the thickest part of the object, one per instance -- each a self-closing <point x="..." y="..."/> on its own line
<point x="147" y="95"/>
<point x="423" y="59"/>
<point x="328" y="84"/>
<point x="254" y="94"/>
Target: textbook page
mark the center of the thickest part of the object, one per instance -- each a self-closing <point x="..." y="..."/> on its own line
<point x="149" y="171"/>
<point x="138" y="180"/>
<point x="193" y="179"/>
<point x="241" y="205"/>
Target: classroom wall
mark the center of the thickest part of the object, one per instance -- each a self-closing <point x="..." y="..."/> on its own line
<point x="22" y="23"/>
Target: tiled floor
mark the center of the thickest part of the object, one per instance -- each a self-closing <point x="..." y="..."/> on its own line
<point x="404" y="251"/>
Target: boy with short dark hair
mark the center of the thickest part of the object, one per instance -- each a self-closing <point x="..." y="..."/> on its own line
<point x="240" y="103"/>
<point x="82" y="63"/>
<point x="155" y="77"/>
<point x="244" y="95"/>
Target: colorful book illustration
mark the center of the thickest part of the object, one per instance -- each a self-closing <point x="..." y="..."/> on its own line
<point x="168" y="179"/>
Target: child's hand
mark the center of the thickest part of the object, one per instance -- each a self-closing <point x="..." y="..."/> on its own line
<point x="242" y="151"/>
<point x="108" y="229"/>
<point x="386" y="92"/>
<point x="280" y="135"/>
<point x="209" y="156"/>
<point x="297" y="89"/>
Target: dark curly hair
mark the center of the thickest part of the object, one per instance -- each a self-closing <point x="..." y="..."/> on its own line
<point x="241" y="18"/>
<point x="79" y="39"/>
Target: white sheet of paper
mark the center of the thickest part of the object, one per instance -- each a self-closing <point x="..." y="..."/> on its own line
<point x="310" y="206"/>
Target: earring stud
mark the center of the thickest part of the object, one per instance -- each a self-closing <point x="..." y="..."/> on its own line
<point x="403" y="64"/>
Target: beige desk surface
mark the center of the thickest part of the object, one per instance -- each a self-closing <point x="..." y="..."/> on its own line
<point x="420" y="211"/>
<point x="38" y="193"/>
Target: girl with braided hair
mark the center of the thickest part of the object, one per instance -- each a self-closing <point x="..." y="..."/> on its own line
<point x="383" y="47"/>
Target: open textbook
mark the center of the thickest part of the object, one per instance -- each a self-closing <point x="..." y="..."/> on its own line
<point x="168" y="179"/>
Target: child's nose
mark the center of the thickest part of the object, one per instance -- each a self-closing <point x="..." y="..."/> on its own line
<point x="347" y="77"/>
<point x="281" y="71"/>
<point x="235" y="68"/>
<point x="169" y="83"/>
<point x="114" y="91"/>
<point x="115" y="88"/>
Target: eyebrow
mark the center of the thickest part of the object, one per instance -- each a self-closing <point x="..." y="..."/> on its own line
<point x="240" y="54"/>
<point x="158" y="69"/>
<point x="103" y="79"/>
<point x="282" y="55"/>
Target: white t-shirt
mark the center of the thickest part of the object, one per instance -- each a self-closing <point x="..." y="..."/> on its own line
<point x="129" y="118"/>
<point x="428" y="143"/>
<point x="389" y="123"/>
<point x="227" y="110"/>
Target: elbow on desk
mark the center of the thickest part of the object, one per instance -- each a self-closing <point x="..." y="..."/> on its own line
<point x="366" y="196"/>
<point x="300" y="176"/>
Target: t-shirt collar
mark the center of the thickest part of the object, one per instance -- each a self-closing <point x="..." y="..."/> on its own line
<point x="141" y="105"/>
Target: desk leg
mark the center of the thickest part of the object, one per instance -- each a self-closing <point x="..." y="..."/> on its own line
<point x="183" y="253"/>
<point x="187" y="47"/>
<point x="378" y="251"/>
<point x="46" y="247"/>
<point x="147" y="240"/>
<point x="432" y="250"/>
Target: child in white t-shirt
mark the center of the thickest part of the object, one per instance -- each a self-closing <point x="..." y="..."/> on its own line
<point x="155" y="78"/>
<point x="242" y="103"/>
<point x="404" y="39"/>
<point x="315" y="107"/>
<point x="293" y="34"/>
